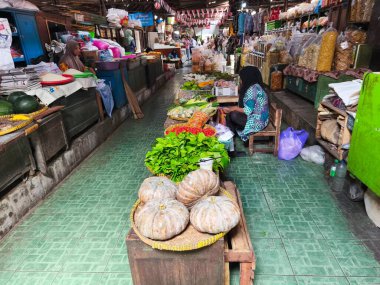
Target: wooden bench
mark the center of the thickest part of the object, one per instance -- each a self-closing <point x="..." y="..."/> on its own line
<point x="208" y="265"/>
<point x="238" y="245"/>
<point x="272" y="130"/>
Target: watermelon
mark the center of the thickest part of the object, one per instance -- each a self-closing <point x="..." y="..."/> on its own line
<point x="15" y="95"/>
<point x="6" y="108"/>
<point x="25" y="105"/>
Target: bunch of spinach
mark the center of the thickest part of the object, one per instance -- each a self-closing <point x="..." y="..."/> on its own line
<point x="177" y="155"/>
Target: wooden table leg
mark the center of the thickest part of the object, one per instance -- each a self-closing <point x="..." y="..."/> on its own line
<point x="100" y="106"/>
<point x="245" y="273"/>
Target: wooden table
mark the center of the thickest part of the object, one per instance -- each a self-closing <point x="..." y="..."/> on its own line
<point x="238" y="247"/>
<point x="170" y="122"/>
<point x="208" y="265"/>
<point x="227" y="99"/>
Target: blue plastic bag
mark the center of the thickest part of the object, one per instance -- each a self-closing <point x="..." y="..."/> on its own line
<point x="106" y="93"/>
<point x="291" y="143"/>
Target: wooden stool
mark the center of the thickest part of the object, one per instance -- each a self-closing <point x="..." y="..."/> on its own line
<point x="272" y="130"/>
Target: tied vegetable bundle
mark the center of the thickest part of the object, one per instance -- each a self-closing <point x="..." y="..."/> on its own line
<point x="177" y="155"/>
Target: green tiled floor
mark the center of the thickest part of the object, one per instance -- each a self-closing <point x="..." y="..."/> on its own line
<point x="76" y="236"/>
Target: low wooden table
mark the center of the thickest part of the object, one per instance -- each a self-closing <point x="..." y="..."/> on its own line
<point x="227" y="99"/>
<point x="208" y="265"/>
<point x="170" y="122"/>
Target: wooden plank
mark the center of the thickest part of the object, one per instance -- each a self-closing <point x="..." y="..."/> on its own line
<point x="238" y="235"/>
<point x="227" y="99"/>
<point x="246" y="274"/>
<point x="226" y="266"/>
<point x="131" y="97"/>
<point x="231" y="188"/>
<point x="234" y="255"/>
<point x="150" y="266"/>
<point x="170" y="122"/>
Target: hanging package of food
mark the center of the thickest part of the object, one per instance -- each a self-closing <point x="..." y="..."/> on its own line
<point x="276" y="80"/>
<point x="343" y="54"/>
<point x="327" y="50"/>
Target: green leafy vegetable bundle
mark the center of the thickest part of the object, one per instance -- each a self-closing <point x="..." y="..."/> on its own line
<point x="190" y="85"/>
<point x="177" y="155"/>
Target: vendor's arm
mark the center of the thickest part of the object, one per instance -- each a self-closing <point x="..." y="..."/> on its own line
<point x="90" y="69"/>
<point x="233" y="109"/>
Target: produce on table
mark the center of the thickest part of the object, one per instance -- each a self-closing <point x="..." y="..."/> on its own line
<point x="177" y="155"/>
<point x="198" y="120"/>
<point x="157" y="188"/>
<point x="186" y="111"/>
<point x="185" y="96"/>
<point x="208" y="131"/>
<point x="6" y="108"/>
<point x="15" y="95"/>
<point x="190" y="85"/>
<point x="222" y="76"/>
<point x="25" y="105"/>
<point x="197" y="185"/>
<point x="215" y="214"/>
<point x="162" y="219"/>
<point x="206" y="83"/>
<point x="225" y="84"/>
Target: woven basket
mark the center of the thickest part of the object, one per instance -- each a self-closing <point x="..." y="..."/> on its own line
<point x="188" y="240"/>
<point x="205" y="127"/>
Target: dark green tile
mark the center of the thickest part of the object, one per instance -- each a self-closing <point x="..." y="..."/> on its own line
<point x="117" y="279"/>
<point x="79" y="279"/>
<point x="296" y="225"/>
<point x="312" y="257"/>
<point x="364" y="280"/>
<point x="271" y="257"/>
<point x="316" y="280"/>
<point x="32" y="278"/>
<point x="5" y="276"/>
<point x="274" y="280"/>
<point x="354" y="258"/>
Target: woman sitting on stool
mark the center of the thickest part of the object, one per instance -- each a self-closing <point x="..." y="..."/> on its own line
<point x="252" y="113"/>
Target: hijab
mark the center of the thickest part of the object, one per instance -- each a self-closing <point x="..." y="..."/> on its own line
<point x="128" y="36"/>
<point x="250" y="75"/>
<point x="71" y="60"/>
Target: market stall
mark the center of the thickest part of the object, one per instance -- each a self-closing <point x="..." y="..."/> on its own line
<point x="184" y="183"/>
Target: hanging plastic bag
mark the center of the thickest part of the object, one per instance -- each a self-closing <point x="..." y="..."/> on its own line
<point x="291" y="143"/>
<point x="106" y="93"/>
<point x="313" y="154"/>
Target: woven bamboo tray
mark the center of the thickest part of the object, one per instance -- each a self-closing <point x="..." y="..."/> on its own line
<point x="188" y="240"/>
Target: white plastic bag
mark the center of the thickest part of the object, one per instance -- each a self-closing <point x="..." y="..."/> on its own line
<point x="313" y="154"/>
<point x="372" y="207"/>
<point x="25" y="5"/>
<point x="106" y="93"/>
